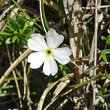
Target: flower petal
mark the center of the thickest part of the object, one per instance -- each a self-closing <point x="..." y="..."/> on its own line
<point x="37" y="43"/>
<point x="53" y="39"/>
<point x="62" y="55"/>
<point x="36" y="59"/>
<point x="50" y="66"/>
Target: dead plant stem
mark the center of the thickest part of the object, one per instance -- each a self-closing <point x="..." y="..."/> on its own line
<point x="15" y="63"/>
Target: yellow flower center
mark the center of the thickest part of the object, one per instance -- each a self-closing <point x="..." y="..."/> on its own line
<point x="48" y="52"/>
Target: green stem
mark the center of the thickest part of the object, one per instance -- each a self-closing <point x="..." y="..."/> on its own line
<point x="100" y="64"/>
<point x="93" y="78"/>
<point x="83" y="44"/>
<point x="44" y="17"/>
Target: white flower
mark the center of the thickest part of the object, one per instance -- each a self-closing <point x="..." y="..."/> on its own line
<point x="48" y="52"/>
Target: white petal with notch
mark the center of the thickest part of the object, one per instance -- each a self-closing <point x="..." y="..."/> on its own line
<point x="53" y="39"/>
<point x="37" y="43"/>
<point x="36" y="59"/>
<point x="62" y="55"/>
<point x="50" y="66"/>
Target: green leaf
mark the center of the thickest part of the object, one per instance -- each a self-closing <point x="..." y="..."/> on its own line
<point x="21" y="21"/>
<point x="103" y="38"/>
<point x="27" y="31"/>
<point x="12" y="23"/>
<point x="27" y="16"/>
<point x="15" y="32"/>
<point x="108" y="40"/>
<point x="107" y="15"/>
<point x="6" y="87"/>
<point x="107" y="51"/>
<point x="10" y="27"/>
<point x="5" y="33"/>
<point x="103" y="53"/>
<point x="14" y="38"/>
<point x="18" y="30"/>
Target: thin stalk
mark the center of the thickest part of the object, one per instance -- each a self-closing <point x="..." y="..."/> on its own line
<point x="93" y="78"/>
<point x="44" y="16"/>
<point x="95" y="53"/>
<point x="40" y="6"/>
<point x="15" y="78"/>
<point x="15" y="63"/>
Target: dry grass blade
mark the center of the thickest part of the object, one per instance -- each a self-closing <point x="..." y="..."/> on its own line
<point x="61" y="86"/>
<point x="15" y="63"/>
<point x="40" y="104"/>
